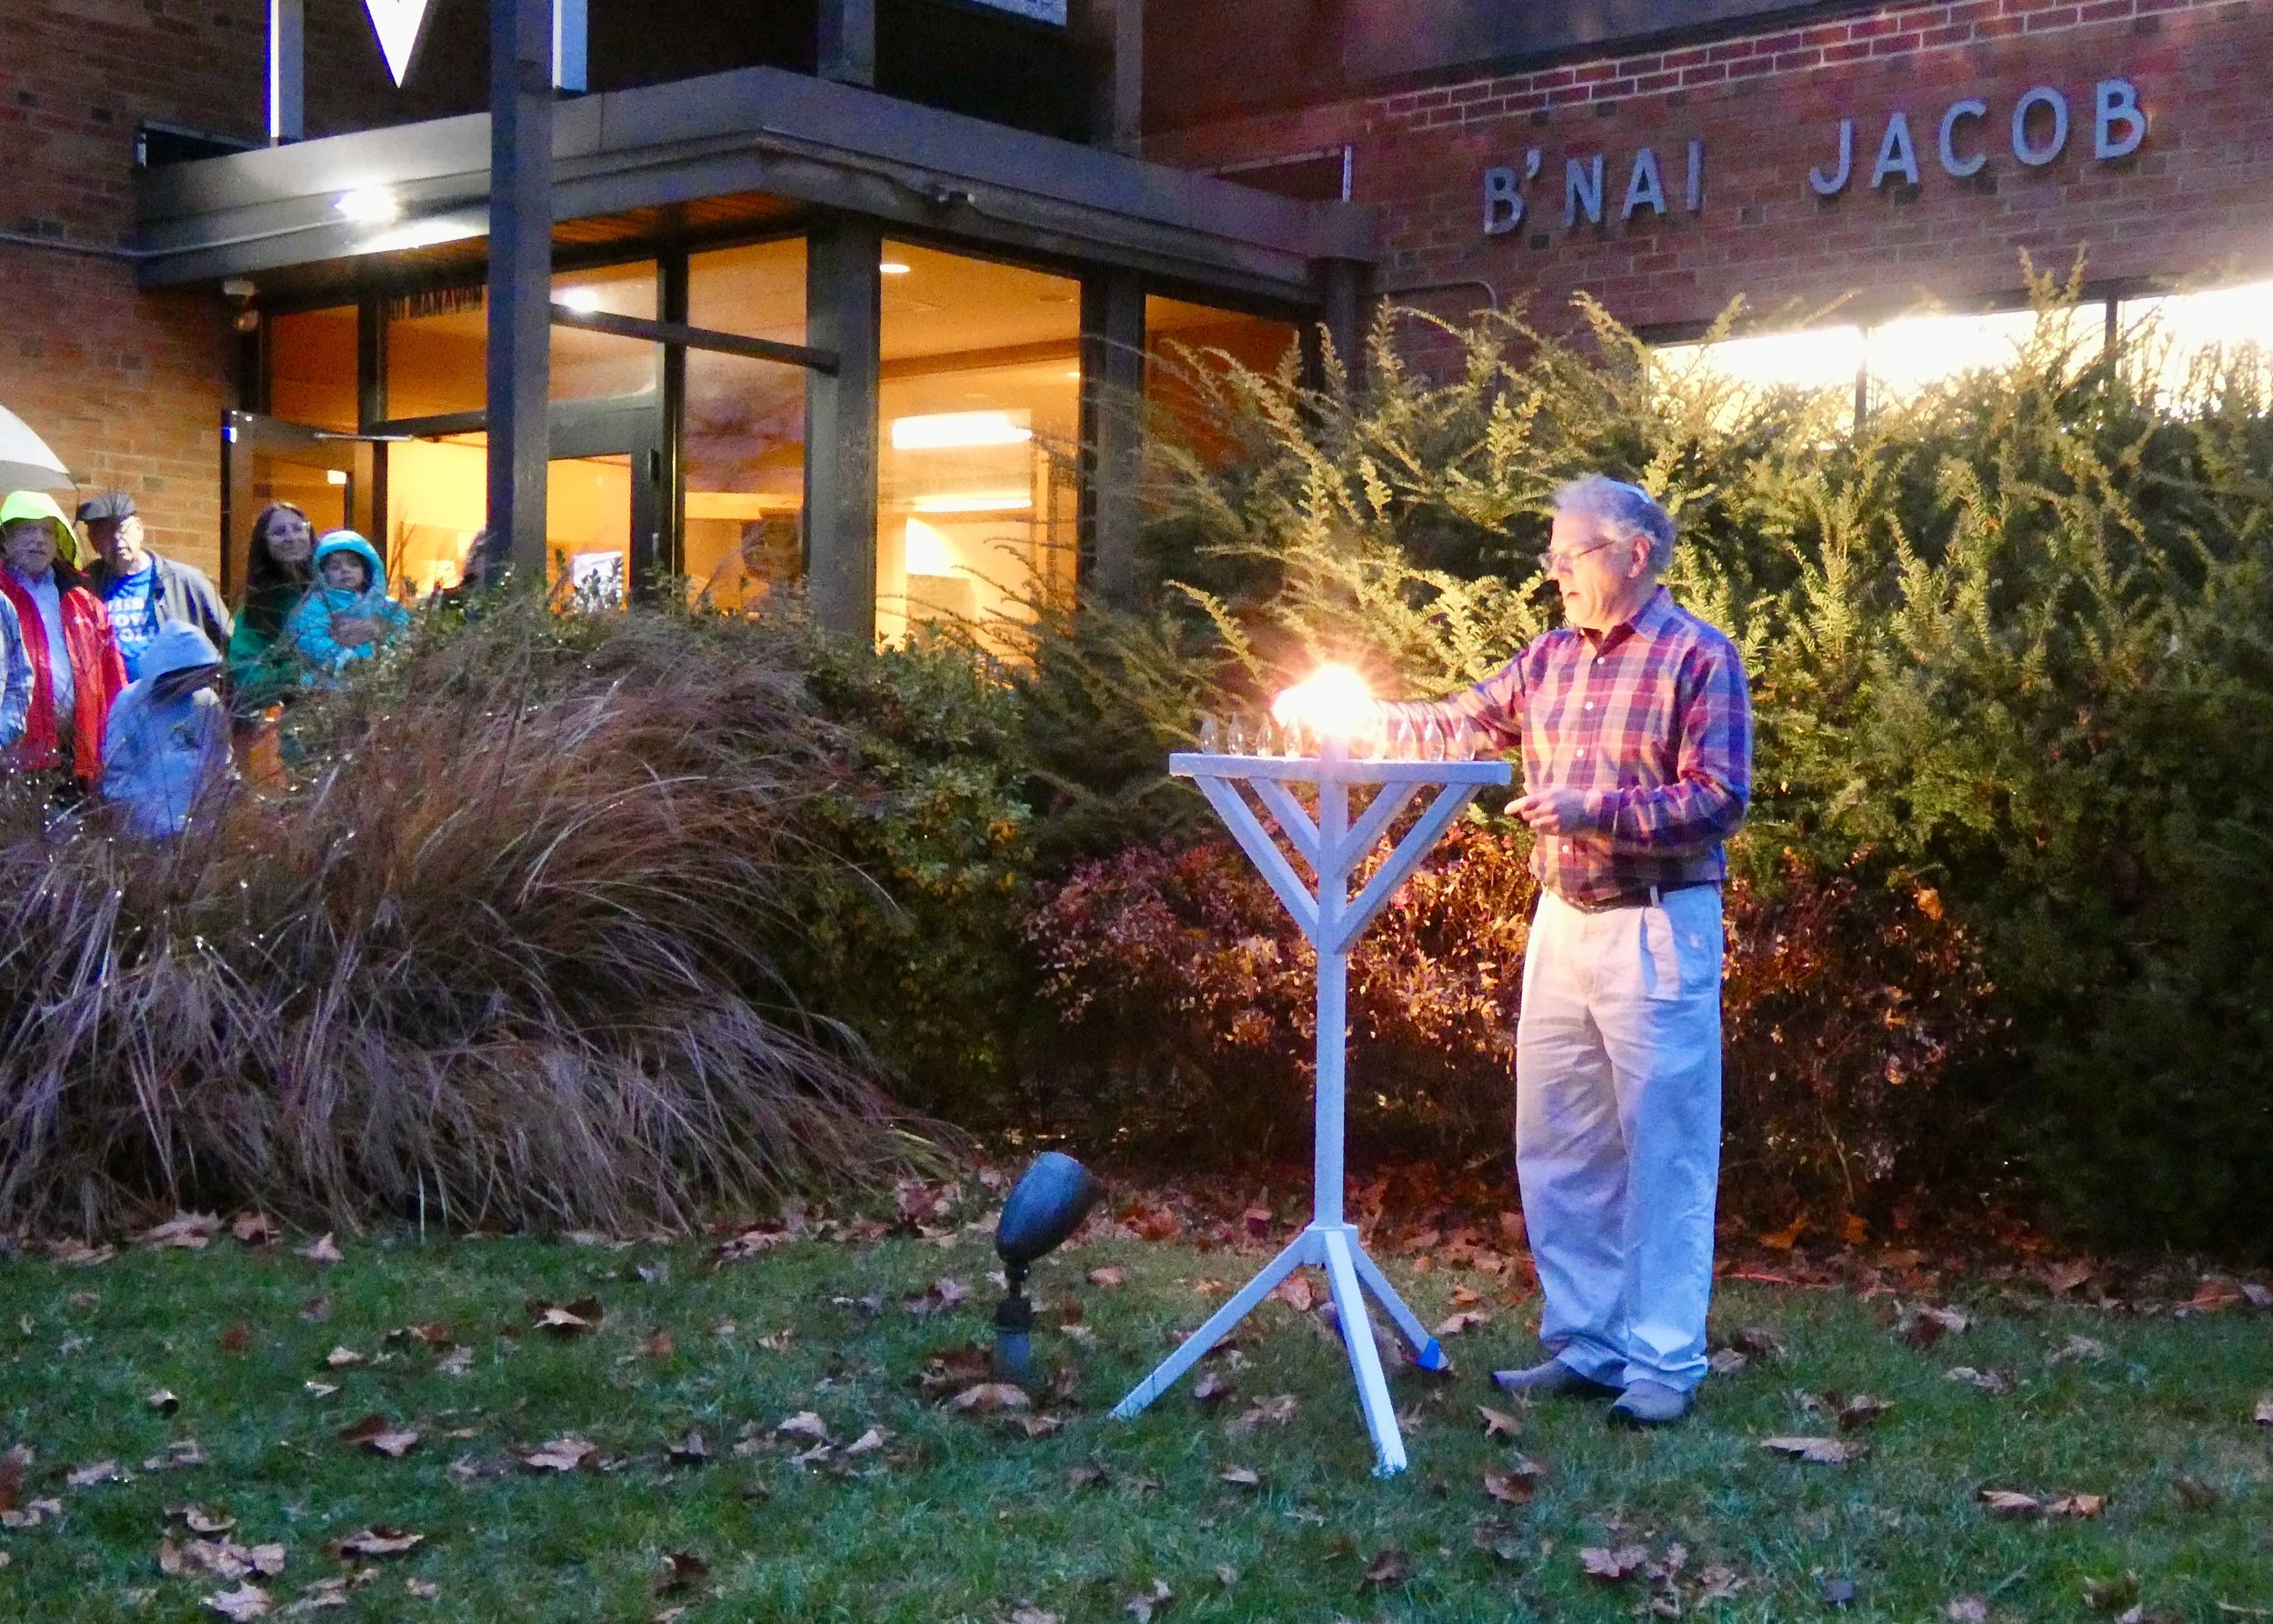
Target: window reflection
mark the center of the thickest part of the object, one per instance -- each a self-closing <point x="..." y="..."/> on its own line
<point x="437" y="343"/>
<point x="743" y="456"/>
<point x="981" y="412"/>
<point x="1185" y="344"/>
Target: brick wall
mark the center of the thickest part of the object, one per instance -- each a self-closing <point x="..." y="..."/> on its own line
<point x="2196" y="200"/>
<point x="127" y="386"/>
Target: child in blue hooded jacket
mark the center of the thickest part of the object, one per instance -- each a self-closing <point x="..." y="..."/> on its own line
<point x="349" y="598"/>
<point x="166" y="744"/>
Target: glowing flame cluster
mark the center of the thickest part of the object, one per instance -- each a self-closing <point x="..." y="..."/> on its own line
<point x="1332" y="702"/>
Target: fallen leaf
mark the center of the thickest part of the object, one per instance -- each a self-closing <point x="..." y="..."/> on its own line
<point x="1756" y="1341"/>
<point x="750" y="1243"/>
<point x="1276" y="1410"/>
<point x="201" y="1519"/>
<point x="1861" y="1410"/>
<point x="182" y="1452"/>
<point x="342" y="1358"/>
<point x="868" y="1443"/>
<point x="1516" y="1484"/>
<point x="1724" y="1361"/>
<point x="805" y="1424"/>
<point x="2009" y="1503"/>
<point x="318" y="1389"/>
<point x="2263" y="1415"/>
<point x="1036" y="1425"/>
<point x="1026" y="1612"/>
<point x="1926" y="1324"/>
<point x="2060" y="1279"/>
<point x="1145" y="1603"/>
<point x="1717" y="1581"/>
<point x="247" y="1601"/>
<point x="1240" y="1477"/>
<point x="1498" y="1423"/>
<point x="2077" y="1348"/>
<point x="2110" y="1594"/>
<point x="378" y="1540"/>
<point x="1391" y="1568"/>
<point x="1210" y="1386"/>
<point x="1967" y="1610"/>
<point x="1818" y="1452"/>
<point x="1609" y="1567"/>
<point x="2076" y="1506"/>
<point x="989" y="1397"/>
<point x="77" y="1254"/>
<point x="381" y="1437"/>
<point x="456" y="1361"/>
<point x="1110" y="1278"/>
<point x="566" y="1319"/>
<point x="255" y="1228"/>
<point x="1257" y="1221"/>
<point x="682" y="1571"/>
<point x="1087" y="1477"/>
<point x="94" y="1472"/>
<point x="323" y="1249"/>
<point x="1995" y="1383"/>
<point x="1297" y="1293"/>
<point x="268" y="1560"/>
<point x="950" y="1292"/>
<point x="1461" y="1323"/>
<point x="164" y="1401"/>
<point x="564" y="1454"/>
<point x="323" y="1596"/>
<point x="690" y="1451"/>
<point x="237" y="1338"/>
<point x="188" y="1231"/>
<point x="657" y="1345"/>
<point x="423" y="1589"/>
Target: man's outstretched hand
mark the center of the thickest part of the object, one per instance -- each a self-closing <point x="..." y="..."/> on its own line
<point x="1552" y="811"/>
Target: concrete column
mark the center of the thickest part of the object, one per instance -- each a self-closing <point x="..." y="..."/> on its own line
<point x="843" y="302"/>
<point x="1112" y="403"/>
<point x="520" y="275"/>
<point x="1348" y="312"/>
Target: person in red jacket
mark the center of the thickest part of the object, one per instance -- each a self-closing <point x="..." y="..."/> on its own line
<point x="76" y="671"/>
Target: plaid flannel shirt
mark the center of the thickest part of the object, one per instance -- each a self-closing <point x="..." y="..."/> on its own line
<point x="1650" y="722"/>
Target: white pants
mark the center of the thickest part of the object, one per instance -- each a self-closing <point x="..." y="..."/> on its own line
<point x="1618" y="1131"/>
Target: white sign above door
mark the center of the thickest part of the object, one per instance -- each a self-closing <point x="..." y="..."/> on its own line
<point x="397" y="23"/>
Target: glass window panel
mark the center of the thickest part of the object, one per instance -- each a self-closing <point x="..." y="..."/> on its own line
<point x="2187" y="339"/>
<point x="1911" y="354"/>
<point x="981" y="406"/>
<point x="744" y="466"/>
<point x="1815" y="358"/>
<point x="1183" y="341"/>
<point x="438" y="500"/>
<point x="312" y="363"/>
<point x="437" y="343"/>
<point x="757" y="292"/>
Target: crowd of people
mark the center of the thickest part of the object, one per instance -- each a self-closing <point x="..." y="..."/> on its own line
<point x="128" y="679"/>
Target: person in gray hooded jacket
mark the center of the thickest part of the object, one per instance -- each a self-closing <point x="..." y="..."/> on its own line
<point x="167" y="744"/>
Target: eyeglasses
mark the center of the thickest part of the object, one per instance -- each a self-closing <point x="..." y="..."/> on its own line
<point x="1560" y="563"/>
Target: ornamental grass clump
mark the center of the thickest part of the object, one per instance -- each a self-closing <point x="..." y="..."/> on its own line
<point x="494" y="954"/>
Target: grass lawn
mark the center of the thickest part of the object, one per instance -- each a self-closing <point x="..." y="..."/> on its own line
<point x="960" y="1516"/>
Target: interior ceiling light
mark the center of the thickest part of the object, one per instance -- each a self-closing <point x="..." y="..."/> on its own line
<point x="893" y="268"/>
<point x="975" y="502"/>
<point x="945" y="431"/>
<point x="585" y="300"/>
<point x="370" y="206"/>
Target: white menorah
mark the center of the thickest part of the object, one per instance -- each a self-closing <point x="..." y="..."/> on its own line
<point x="1333" y="846"/>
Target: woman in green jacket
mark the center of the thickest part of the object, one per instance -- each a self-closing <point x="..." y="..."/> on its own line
<point x="264" y="671"/>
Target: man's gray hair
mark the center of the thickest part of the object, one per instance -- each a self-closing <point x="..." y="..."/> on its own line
<point x="1621" y="513"/>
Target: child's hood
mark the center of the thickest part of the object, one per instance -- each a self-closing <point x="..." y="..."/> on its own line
<point x="179" y="646"/>
<point x="348" y="541"/>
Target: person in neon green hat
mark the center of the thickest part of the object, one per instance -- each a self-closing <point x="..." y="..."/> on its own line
<point x="76" y="671"/>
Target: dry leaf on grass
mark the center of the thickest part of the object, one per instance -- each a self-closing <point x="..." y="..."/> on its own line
<point x="1861" y="1410"/>
<point x="323" y="1596"/>
<point x="750" y="1243"/>
<point x="1516" y="1484"/>
<point x="182" y="1452"/>
<point x="682" y="1571"/>
<point x="1240" y="1477"/>
<point x="378" y="1540"/>
<point x="342" y="1357"/>
<point x="1026" y="1612"/>
<point x="94" y="1472"/>
<point x="1109" y="1279"/>
<point x="323" y="1249"/>
<point x="1967" y="1609"/>
<point x="1995" y="1383"/>
<point x="381" y="1437"/>
<point x="247" y="1601"/>
<point x="1210" y="1386"/>
<point x="868" y="1443"/>
<point x="2079" y="1506"/>
<point x="1276" y="1410"/>
<point x="1498" y="1423"/>
<point x="1463" y="1322"/>
<point x="1388" y="1570"/>
<point x="2111" y="1595"/>
<point x="2009" y="1503"/>
<point x="164" y="1401"/>
<point x="188" y="1231"/>
<point x="1818" y="1452"/>
<point x="991" y="1397"/>
<point x="566" y="1319"/>
<point x="567" y="1454"/>
<point x="202" y="1519"/>
<point x="1609" y="1567"/>
<point x="2263" y="1414"/>
<point x="255" y="1228"/>
<point x="1298" y="1293"/>
<point x="1926" y="1324"/>
<point x="805" y="1424"/>
<point x="455" y="1361"/>
<point x="2076" y="1348"/>
<point x="1147" y="1602"/>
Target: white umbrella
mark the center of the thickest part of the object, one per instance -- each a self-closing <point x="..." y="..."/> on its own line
<point x="25" y="463"/>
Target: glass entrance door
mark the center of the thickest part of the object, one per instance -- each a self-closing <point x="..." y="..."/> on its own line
<point x="330" y="476"/>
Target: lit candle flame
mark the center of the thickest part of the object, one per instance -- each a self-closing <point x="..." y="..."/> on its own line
<point x="1333" y="700"/>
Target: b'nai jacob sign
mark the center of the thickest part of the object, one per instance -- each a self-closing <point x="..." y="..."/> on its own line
<point x="2037" y="129"/>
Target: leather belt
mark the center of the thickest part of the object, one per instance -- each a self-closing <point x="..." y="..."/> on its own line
<point x="1647" y="896"/>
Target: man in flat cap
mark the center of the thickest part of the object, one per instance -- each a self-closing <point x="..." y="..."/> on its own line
<point x="140" y="590"/>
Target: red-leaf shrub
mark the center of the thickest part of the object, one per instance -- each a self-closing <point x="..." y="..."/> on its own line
<point x="1185" y="998"/>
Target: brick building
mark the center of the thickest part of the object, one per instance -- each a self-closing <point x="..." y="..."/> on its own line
<point x="942" y="245"/>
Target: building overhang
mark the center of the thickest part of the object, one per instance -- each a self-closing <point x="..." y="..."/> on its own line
<point x="757" y="130"/>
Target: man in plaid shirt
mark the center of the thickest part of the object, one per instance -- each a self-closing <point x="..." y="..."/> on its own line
<point x="1637" y="738"/>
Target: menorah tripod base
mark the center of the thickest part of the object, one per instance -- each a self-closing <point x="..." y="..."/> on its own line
<point x="1349" y="1274"/>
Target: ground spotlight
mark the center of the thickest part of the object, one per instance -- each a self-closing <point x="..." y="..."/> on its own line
<point x="1045" y="1207"/>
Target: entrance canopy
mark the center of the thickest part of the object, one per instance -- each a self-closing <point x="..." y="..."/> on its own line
<point x="755" y="131"/>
